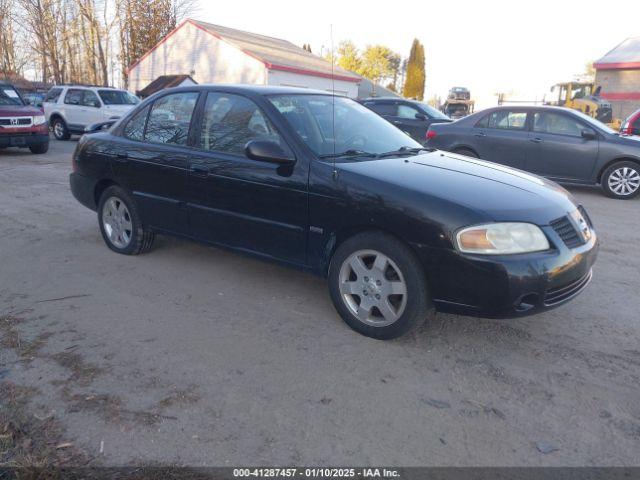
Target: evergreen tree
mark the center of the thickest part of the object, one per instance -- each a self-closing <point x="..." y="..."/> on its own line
<point x="414" y="82"/>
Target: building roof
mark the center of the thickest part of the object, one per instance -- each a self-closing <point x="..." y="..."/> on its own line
<point x="625" y="56"/>
<point x="274" y="53"/>
<point x="162" y="82"/>
<point x="16" y="80"/>
<point x="367" y="89"/>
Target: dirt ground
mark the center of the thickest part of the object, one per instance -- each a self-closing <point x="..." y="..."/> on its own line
<point x="195" y="356"/>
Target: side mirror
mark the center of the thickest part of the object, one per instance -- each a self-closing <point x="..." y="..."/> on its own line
<point x="588" y="134"/>
<point x="421" y="116"/>
<point x="268" y="151"/>
<point x="95" y="103"/>
<point x="99" y="127"/>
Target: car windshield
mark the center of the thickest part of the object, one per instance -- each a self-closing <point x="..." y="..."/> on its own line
<point x="9" y="96"/>
<point x="118" y="97"/>
<point x="356" y="129"/>
<point x="594" y="122"/>
<point x="432" y="112"/>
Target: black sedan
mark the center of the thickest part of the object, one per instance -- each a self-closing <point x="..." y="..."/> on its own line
<point x="558" y="143"/>
<point x="412" y="117"/>
<point x="323" y="184"/>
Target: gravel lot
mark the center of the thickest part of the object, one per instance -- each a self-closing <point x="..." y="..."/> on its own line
<point x="197" y="356"/>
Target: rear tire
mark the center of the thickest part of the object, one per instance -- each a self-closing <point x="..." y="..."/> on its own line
<point x="60" y="130"/>
<point x="120" y="224"/>
<point x="467" y="152"/>
<point x="39" y="149"/>
<point x="378" y="286"/>
<point x="621" y="180"/>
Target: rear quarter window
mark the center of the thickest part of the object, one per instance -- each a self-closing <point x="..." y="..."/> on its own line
<point x="53" y="95"/>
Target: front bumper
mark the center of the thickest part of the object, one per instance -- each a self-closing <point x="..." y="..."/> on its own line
<point x="508" y="286"/>
<point x="23" y="139"/>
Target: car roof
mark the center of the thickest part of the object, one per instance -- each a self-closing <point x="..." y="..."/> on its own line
<point x="550" y="108"/>
<point x="254" y="89"/>
<point x="389" y="99"/>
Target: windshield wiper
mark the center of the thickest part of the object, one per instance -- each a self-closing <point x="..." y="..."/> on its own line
<point x="404" y="151"/>
<point x="349" y="153"/>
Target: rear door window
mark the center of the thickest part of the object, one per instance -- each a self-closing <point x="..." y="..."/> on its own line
<point x="508" y="120"/>
<point x="74" y="96"/>
<point x="170" y="118"/>
<point x="388" y="109"/>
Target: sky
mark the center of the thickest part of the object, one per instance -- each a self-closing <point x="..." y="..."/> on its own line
<point x="488" y="46"/>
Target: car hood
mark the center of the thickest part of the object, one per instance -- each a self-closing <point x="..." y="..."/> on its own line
<point x="19" y="111"/>
<point x="493" y="191"/>
<point x="631" y="140"/>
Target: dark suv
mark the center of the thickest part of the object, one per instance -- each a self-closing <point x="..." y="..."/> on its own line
<point x="410" y="116"/>
<point x="20" y="124"/>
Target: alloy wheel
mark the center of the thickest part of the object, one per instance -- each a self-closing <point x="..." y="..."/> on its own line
<point x="58" y="130"/>
<point x="624" y="181"/>
<point x="373" y="288"/>
<point x="117" y="223"/>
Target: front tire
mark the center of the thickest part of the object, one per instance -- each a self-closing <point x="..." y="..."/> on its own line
<point x="378" y="286"/>
<point x="60" y="130"/>
<point x="120" y="223"/>
<point x="39" y="149"/>
<point x="621" y="180"/>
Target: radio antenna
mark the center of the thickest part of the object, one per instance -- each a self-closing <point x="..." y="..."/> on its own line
<point x="333" y="104"/>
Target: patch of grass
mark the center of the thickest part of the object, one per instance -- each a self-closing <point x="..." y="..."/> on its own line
<point x="112" y="409"/>
<point x="180" y="397"/>
<point x="10" y="338"/>
<point x="27" y="441"/>
<point x="81" y="372"/>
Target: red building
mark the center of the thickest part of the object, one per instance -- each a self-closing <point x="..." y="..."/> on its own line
<point x="618" y="73"/>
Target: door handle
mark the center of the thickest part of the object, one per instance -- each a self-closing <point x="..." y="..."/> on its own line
<point x="199" y="171"/>
<point x="122" y="157"/>
<point x="480" y="135"/>
<point x="535" y="140"/>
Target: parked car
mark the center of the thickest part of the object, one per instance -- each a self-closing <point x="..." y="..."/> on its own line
<point x="558" y="143"/>
<point x="396" y="229"/>
<point x="631" y="126"/>
<point x="71" y="108"/>
<point x="410" y="116"/>
<point x="21" y="125"/>
<point x="35" y="99"/>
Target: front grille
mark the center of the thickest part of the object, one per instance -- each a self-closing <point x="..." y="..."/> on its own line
<point x="16" y="122"/>
<point x="566" y="231"/>
<point x="554" y="296"/>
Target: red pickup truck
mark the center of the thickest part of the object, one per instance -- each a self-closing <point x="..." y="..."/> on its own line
<point x="21" y="125"/>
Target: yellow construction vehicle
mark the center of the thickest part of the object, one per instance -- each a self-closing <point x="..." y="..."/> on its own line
<point x="582" y="96"/>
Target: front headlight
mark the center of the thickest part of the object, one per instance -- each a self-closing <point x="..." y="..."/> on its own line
<point x="39" y="120"/>
<point x="501" y="239"/>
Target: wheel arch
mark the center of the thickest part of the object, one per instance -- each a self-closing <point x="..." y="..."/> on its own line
<point x="616" y="160"/>
<point x="100" y="187"/>
<point x="338" y="237"/>
<point x="457" y="148"/>
<point x="56" y="115"/>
